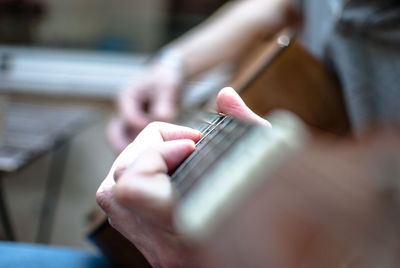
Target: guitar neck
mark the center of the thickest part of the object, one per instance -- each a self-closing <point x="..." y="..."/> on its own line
<point x="261" y="59"/>
<point x="232" y="156"/>
<point x="231" y="159"/>
<point x="219" y="135"/>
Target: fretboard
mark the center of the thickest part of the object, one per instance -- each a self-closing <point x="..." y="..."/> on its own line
<point x="230" y="160"/>
<point x="219" y="136"/>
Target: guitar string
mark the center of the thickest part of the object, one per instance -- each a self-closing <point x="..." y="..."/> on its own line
<point x="206" y="131"/>
<point x="212" y="153"/>
<point x="196" y="166"/>
<point x="214" y="146"/>
<point x="187" y="176"/>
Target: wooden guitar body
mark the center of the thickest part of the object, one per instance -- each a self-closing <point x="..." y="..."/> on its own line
<point x="280" y="73"/>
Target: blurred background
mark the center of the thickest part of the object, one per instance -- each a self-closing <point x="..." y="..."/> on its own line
<point x="61" y="65"/>
<point x="123" y="25"/>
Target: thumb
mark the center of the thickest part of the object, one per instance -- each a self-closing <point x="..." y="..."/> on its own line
<point x="229" y="102"/>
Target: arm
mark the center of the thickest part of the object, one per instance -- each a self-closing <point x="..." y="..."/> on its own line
<point x="226" y="33"/>
<point x="221" y="38"/>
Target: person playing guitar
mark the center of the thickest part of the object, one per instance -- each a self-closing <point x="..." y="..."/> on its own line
<point x="307" y="217"/>
<point x="356" y="30"/>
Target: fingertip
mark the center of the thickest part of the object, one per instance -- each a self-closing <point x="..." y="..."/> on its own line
<point x="172" y="147"/>
<point x="264" y="122"/>
<point x="190" y="145"/>
<point x="171" y="132"/>
<point x="228" y="90"/>
<point x="229" y="102"/>
<point x="174" y="152"/>
<point x="197" y="136"/>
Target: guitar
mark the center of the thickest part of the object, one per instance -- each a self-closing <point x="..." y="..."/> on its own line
<point x="231" y="159"/>
<point x="333" y="205"/>
<point x="250" y="81"/>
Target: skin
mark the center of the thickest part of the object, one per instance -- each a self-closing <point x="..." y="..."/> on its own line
<point x="137" y="195"/>
<point x="156" y="96"/>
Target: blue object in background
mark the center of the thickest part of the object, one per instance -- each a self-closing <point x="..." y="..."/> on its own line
<point x="114" y="43"/>
<point x="22" y="255"/>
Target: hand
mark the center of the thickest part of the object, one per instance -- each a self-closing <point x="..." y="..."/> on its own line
<point x="154" y="98"/>
<point x="137" y="194"/>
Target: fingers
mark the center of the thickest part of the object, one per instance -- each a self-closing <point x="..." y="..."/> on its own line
<point x="229" y="102"/>
<point x="149" y="196"/>
<point x="132" y="104"/>
<point x="144" y="186"/>
<point x="154" y="98"/>
<point x="140" y="106"/>
<point x="171" y="132"/>
<point x="160" y="131"/>
<point x="153" y="135"/>
<point x="163" y="109"/>
<point x="118" y="135"/>
<point x="165" y="102"/>
<point x="172" y="153"/>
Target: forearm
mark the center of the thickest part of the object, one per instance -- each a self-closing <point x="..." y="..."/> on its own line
<point x="225" y="34"/>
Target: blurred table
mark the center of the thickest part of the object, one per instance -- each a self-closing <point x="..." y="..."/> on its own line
<point x="29" y="131"/>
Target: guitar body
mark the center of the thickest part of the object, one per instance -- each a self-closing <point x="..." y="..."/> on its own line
<point x="289" y="77"/>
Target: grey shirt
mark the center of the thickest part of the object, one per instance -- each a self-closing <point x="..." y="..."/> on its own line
<point x="361" y="41"/>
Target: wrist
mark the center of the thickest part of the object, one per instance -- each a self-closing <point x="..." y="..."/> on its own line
<point x="173" y="60"/>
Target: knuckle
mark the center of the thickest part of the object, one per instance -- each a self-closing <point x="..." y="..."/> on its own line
<point x="126" y="194"/>
<point x="119" y="170"/>
<point x="102" y="200"/>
